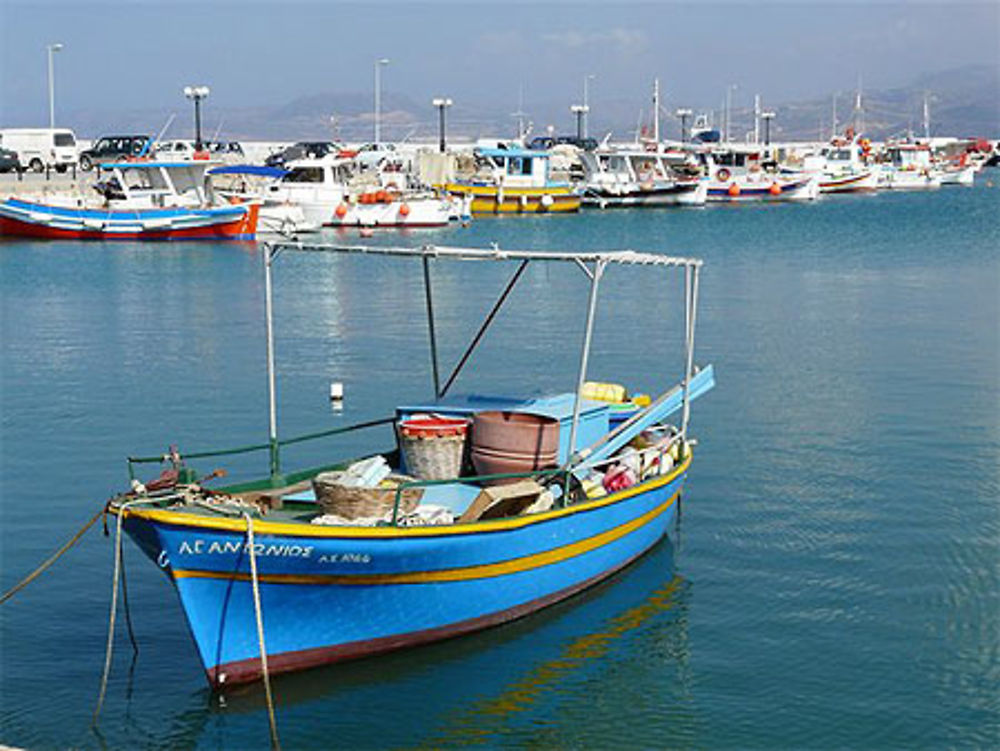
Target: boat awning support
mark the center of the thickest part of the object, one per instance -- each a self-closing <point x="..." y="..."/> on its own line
<point x="487" y="322"/>
<point x="690" y="317"/>
<point x="595" y="280"/>
<point x="270" y="253"/>
<point x="430" y="325"/>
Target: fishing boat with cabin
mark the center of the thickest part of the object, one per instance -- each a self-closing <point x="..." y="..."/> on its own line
<point x="640" y="178"/>
<point x="480" y="509"/>
<point x="138" y="200"/>
<point x="737" y="174"/>
<point x="514" y="181"/>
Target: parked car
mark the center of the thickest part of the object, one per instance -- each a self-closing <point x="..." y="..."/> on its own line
<point x="38" y="148"/>
<point x="371" y="156"/>
<point x="113" y="149"/>
<point x="177" y="150"/>
<point x="540" y="143"/>
<point x="301" y="150"/>
<point x="9" y="160"/>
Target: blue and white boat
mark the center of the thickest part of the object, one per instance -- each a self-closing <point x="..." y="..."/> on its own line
<point x="271" y="579"/>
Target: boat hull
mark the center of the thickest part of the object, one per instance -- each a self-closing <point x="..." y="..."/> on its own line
<point x="330" y="594"/>
<point x="491" y="199"/>
<point x="675" y="194"/>
<point x="806" y="189"/>
<point x="849" y="183"/>
<point x="20" y="218"/>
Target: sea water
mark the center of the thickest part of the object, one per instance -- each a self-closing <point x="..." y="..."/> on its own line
<point x="833" y="580"/>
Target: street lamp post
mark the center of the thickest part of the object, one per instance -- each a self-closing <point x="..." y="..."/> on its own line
<point x="580" y="110"/>
<point x="586" y="102"/>
<point x="683" y="114"/>
<point x="767" y="117"/>
<point x="196" y="94"/>
<point x="441" y="103"/>
<point x="378" y="97"/>
<point x="52" y="86"/>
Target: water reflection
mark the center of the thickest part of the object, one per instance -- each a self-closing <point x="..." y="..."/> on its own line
<point x="494" y="685"/>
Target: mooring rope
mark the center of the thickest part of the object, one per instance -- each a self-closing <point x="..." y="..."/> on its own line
<point x="52" y="559"/>
<point x="114" y="607"/>
<point x="275" y="743"/>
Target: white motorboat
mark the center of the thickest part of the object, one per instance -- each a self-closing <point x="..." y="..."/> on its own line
<point x="640" y="178"/>
<point x="331" y="192"/>
<point x="739" y="175"/>
<point x="845" y="169"/>
<point x="908" y="166"/>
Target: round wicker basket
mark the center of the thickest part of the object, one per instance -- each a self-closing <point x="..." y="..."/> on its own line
<point x="354" y="503"/>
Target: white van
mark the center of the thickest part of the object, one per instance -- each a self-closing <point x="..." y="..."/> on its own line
<point x="38" y="148"/>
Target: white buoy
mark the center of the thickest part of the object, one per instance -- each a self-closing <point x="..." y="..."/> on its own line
<point x="336" y="391"/>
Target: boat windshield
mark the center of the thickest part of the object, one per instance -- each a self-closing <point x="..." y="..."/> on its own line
<point x="304" y="175"/>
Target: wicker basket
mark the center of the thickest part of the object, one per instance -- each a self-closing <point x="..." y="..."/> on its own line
<point x="354" y="503"/>
<point x="433" y="449"/>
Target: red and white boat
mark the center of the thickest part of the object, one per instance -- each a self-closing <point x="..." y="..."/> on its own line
<point x="140" y="200"/>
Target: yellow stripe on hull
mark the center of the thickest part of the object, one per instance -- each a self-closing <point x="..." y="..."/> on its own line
<point x="484" y="571"/>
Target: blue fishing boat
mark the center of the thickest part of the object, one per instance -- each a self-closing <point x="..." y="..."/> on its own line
<point x="482" y="509"/>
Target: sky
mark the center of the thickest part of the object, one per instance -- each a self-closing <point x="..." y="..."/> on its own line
<point x="134" y="55"/>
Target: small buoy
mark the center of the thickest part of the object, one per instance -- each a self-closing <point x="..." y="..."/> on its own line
<point x="734" y="190"/>
<point x="336" y="391"/>
<point x="341" y="210"/>
<point x="367" y="232"/>
<point x="775" y="189"/>
<point x="547" y="200"/>
<point x="404" y="209"/>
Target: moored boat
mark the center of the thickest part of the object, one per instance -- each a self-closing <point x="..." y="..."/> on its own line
<point x="362" y="557"/>
<point x="632" y="178"/>
<point x="908" y="166"/>
<point x="140" y="200"/>
<point x="845" y="169"/>
<point x="333" y="193"/>
<point x="738" y="175"/>
<point x="514" y="181"/>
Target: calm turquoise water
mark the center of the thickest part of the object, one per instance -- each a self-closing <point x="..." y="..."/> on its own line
<point x="833" y="583"/>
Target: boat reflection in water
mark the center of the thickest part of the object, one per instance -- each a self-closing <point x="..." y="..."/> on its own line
<point x="561" y="672"/>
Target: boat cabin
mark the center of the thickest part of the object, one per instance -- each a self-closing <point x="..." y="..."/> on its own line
<point x="157" y="184"/>
<point x="909" y="156"/>
<point x="516" y="168"/>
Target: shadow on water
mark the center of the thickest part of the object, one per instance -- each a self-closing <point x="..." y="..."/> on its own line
<point x="492" y="686"/>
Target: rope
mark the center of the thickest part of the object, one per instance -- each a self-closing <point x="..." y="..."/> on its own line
<point x="114" y="608"/>
<point x="52" y="559"/>
<point x="275" y="743"/>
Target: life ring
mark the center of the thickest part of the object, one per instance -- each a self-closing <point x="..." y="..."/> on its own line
<point x="722" y="175"/>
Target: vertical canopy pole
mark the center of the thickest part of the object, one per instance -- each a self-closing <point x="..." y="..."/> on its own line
<point x="691" y="299"/>
<point x="269" y="256"/>
<point x="430" y="325"/>
<point x="585" y="355"/>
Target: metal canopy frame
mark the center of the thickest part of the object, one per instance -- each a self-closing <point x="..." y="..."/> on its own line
<point x="592" y="263"/>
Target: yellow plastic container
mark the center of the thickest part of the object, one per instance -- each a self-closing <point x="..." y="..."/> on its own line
<point x="604" y="392"/>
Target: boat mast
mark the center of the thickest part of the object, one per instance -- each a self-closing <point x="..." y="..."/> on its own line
<point x="656" y="111"/>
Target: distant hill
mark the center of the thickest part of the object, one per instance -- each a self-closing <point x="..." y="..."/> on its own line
<point x="964" y="101"/>
<point x="961" y="102"/>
